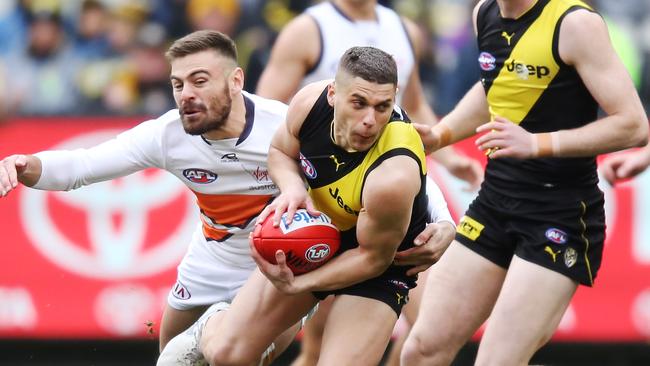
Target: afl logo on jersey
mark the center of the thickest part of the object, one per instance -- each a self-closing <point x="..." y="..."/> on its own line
<point x="307" y="167"/>
<point x="486" y="61"/>
<point x="200" y="176"/>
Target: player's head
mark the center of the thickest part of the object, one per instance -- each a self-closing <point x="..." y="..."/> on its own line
<point x="363" y="95"/>
<point x="204" y="78"/>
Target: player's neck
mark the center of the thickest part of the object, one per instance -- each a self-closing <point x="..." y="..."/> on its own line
<point x="358" y="10"/>
<point x="235" y="123"/>
<point x="513" y="9"/>
<point x="339" y="138"/>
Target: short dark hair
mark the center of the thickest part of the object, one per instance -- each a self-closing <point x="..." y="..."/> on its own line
<point x="370" y="64"/>
<point x="200" y="41"/>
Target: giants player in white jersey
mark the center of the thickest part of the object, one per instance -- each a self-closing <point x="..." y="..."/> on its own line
<point x="309" y="48"/>
<point x="216" y="143"/>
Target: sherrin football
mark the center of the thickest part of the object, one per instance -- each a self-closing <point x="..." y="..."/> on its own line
<point x="308" y="242"/>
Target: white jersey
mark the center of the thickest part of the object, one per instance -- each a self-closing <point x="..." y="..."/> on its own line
<point x="339" y="33"/>
<point x="229" y="177"/>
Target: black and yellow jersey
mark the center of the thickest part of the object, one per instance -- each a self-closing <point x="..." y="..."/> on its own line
<point x="336" y="177"/>
<point x="526" y="82"/>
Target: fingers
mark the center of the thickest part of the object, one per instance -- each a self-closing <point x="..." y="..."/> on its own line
<point x="501" y="152"/>
<point x="257" y="257"/>
<point x="309" y="205"/>
<point x="277" y="215"/>
<point x="8" y="174"/>
<point x="627" y="170"/>
<point x="264" y="214"/>
<point x="417" y="269"/>
<point x="401" y="257"/>
<point x="425" y="235"/>
<point x="499" y="124"/>
<point x="422" y="129"/>
<point x="609" y="170"/>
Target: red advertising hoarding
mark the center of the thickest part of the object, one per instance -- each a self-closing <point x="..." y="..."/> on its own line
<point x="98" y="262"/>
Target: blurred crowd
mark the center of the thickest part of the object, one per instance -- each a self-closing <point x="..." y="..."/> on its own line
<point x="99" y="57"/>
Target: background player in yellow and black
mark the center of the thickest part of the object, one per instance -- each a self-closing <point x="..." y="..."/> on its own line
<point x="536" y="230"/>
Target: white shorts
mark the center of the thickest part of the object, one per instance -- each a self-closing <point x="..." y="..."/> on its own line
<point x="210" y="272"/>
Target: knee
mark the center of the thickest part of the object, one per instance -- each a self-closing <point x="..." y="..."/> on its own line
<point x="224" y="354"/>
<point x="418" y="351"/>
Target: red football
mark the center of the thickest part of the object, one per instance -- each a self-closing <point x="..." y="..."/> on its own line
<point x="308" y="242"/>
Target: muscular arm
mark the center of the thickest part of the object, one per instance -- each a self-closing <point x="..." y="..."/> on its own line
<point x="295" y="51"/>
<point x="284" y="152"/>
<point x="584" y="43"/>
<point x="381" y="227"/>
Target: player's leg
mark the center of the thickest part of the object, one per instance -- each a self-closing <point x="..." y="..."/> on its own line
<point x="357" y="331"/>
<point x="312" y="335"/>
<point x="205" y="277"/>
<point x="175" y="321"/>
<point x="529" y="309"/>
<point x="560" y="246"/>
<point x="258" y="315"/>
<point x="409" y="315"/>
<point x="460" y="292"/>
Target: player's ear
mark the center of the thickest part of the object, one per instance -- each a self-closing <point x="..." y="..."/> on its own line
<point x="236" y="80"/>
<point x="330" y="93"/>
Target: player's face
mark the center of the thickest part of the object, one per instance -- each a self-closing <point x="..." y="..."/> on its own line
<point x="361" y="110"/>
<point x="201" y="91"/>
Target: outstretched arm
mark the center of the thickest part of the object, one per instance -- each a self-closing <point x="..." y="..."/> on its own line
<point x="62" y="170"/>
<point x="14" y="169"/>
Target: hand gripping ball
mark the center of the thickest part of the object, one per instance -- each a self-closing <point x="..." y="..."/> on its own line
<point x="308" y="242"/>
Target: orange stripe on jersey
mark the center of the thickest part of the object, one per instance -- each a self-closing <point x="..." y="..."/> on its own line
<point x="230" y="211"/>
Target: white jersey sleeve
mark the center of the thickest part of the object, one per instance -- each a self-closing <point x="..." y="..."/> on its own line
<point x="135" y="149"/>
<point x="438" y="211"/>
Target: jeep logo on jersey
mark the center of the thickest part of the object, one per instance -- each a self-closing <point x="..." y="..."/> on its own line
<point x="200" y="176"/>
<point x="307" y="167"/>
<point x="486" y="61"/>
<point x="523" y="71"/>
<point x="556" y="235"/>
<point x="135" y="227"/>
<point x="317" y="252"/>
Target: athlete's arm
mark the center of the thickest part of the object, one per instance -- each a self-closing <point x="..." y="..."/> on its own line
<point x="415" y="103"/>
<point x="625" y="165"/>
<point x="283" y="159"/>
<point x="461" y="123"/>
<point x="381" y="227"/>
<point x="63" y="170"/>
<point x="432" y="242"/>
<point x="583" y="43"/>
<point x="14" y="169"/>
<point x="295" y="51"/>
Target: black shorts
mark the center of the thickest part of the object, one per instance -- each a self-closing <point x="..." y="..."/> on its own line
<point x="391" y="290"/>
<point x="556" y="229"/>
